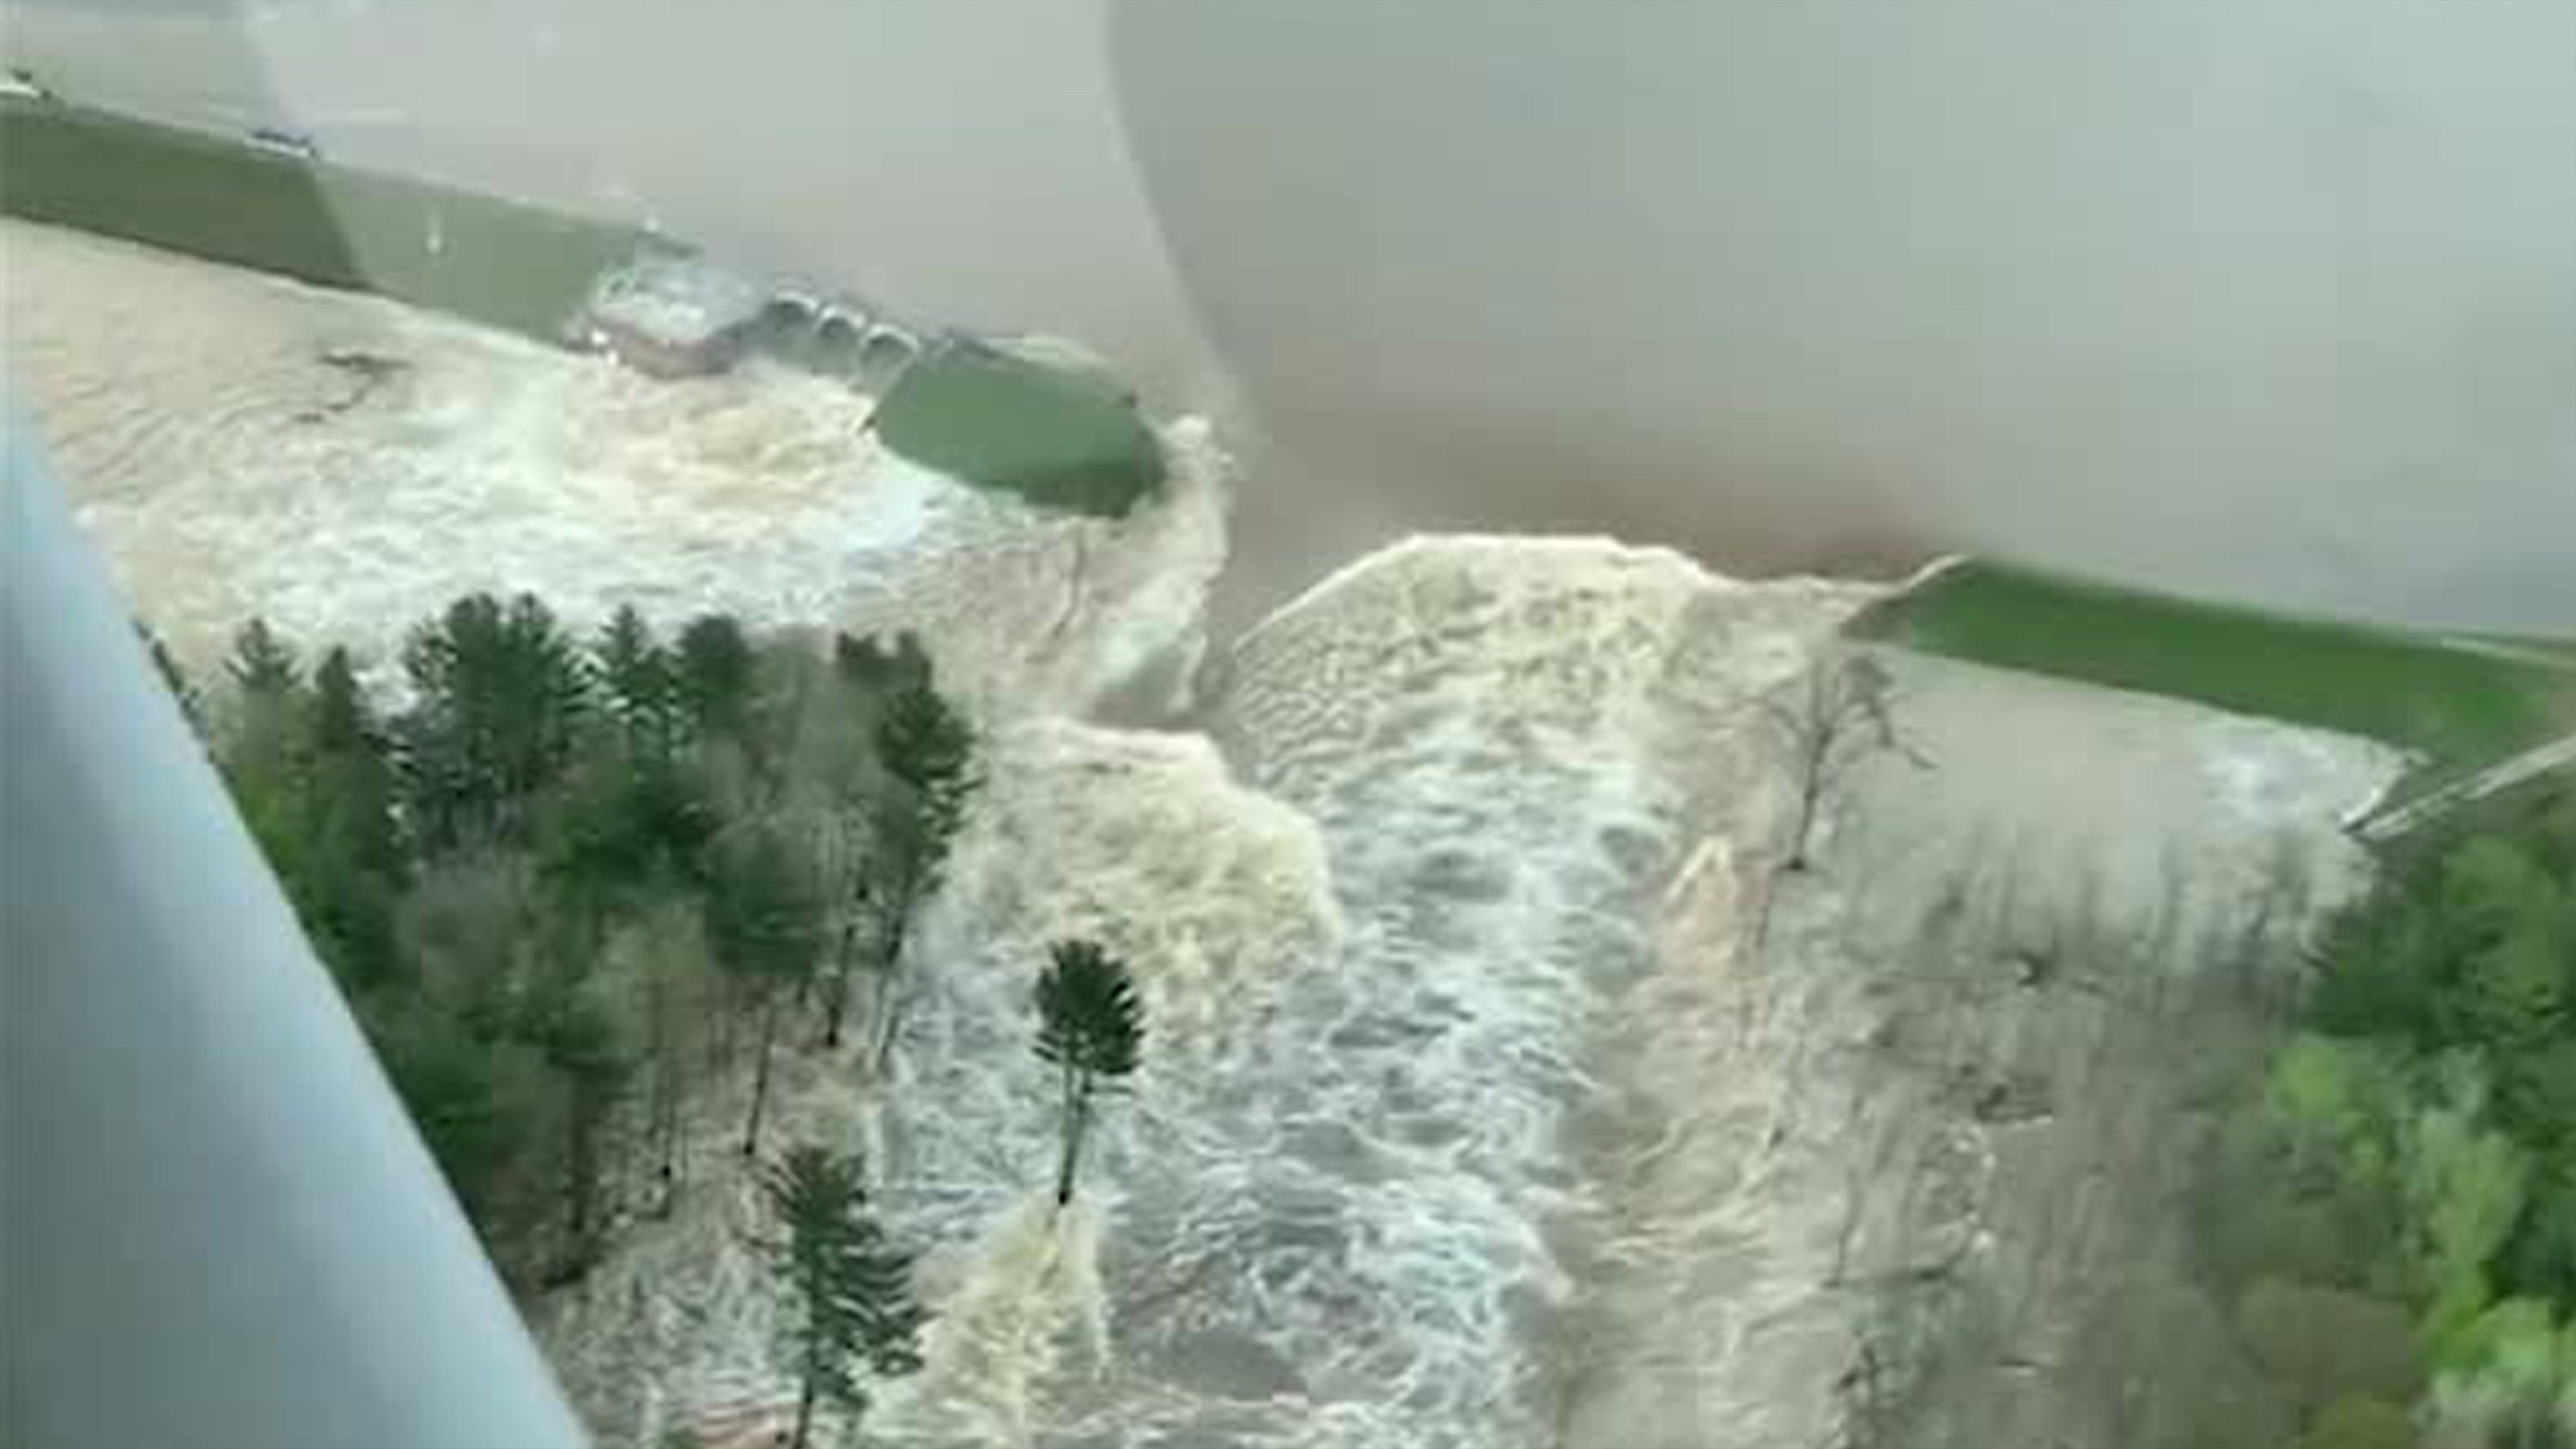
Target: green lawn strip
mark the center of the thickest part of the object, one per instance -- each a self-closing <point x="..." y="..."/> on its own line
<point x="2459" y="707"/>
<point x="516" y="267"/>
<point x="1056" y="436"/>
<point x="2549" y="650"/>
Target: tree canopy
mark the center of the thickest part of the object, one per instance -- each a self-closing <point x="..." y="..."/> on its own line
<point x="2428" y="1109"/>
<point x="533" y="879"/>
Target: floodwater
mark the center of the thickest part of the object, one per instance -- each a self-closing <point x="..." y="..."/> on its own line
<point x="1478" y="1113"/>
<point x="2270" y="300"/>
<point x="1489" y="1101"/>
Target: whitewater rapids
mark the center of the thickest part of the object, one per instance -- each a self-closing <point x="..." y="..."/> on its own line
<point x="230" y="468"/>
<point x="1499" y="1093"/>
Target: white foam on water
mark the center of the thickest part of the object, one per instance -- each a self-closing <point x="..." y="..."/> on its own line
<point x="998" y="1339"/>
<point x="231" y="470"/>
<point x="1345" y="1203"/>
<point x="1508" y="745"/>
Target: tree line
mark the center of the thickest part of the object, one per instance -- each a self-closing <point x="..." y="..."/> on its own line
<point x="575" y="881"/>
<point x="2401" y="1200"/>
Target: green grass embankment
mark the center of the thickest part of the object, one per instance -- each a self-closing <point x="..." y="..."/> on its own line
<point x="1053" y="435"/>
<point x="2457" y="704"/>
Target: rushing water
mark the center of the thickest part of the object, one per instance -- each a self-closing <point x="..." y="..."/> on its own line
<point x="1352" y="1203"/>
<point x="234" y="470"/>
<point x="1441" y="1143"/>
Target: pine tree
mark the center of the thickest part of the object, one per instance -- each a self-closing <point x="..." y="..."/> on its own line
<point x="501" y="696"/>
<point x="640" y="682"/>
<point x="764" y="923"/>
<point x="263" y="754"/>
<point x="264" y="761"/>
<point x="715" y="671"/>
<point x="929" y="751"/>
<point x="359" y="867"/>
<point x="1091" y="1029"/>
<point x="850" y="1293"/>
<point x="261" y="663"/>
<point x="342" y="721"/>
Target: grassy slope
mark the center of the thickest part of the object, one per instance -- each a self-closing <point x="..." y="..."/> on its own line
<point x="496" y="262"/>
<point x="2459" y="705"/>
<point x="1057" y="437"/>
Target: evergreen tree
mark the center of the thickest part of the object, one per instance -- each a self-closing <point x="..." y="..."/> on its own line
<point x="342" y="721"/>
<point x="501" y="695"/>
<point x="261" y="663"/>
<point x="591" y="843"/>
<point x="307" y="771"/>
<point x="263" y="759"/>
<point x="358" y="868"/>
<point x="849" y="1292"/>
<point x="640" y="684"/>
<point x="715" y="675"/>
<point x="928" y="747"/>
<point x="764" y="924"/>
<point x="264" y="751"/>
<point x="928" y="750"/>
<point x="1091" y="1029"/>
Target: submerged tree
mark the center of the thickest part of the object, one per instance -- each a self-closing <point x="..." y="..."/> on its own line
<point x="1091" y="1029"/>
<point x="764" y="922"/>
<point x="1836" y="715"/>
<point x="850" y="1293"/>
